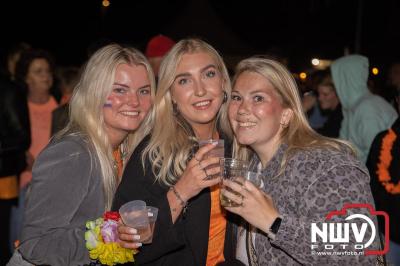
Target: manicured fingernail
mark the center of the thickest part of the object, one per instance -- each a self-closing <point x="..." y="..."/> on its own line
<point x="132" y="231"/>
<point x="138" y="244"/>
<point x="136" y="237"/>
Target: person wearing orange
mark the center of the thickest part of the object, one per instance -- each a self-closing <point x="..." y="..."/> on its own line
<point x="168" y="171"/>
<point x="35" y="70"/>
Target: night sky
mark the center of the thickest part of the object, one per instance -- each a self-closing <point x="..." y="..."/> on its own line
<point x="298" y="29"/>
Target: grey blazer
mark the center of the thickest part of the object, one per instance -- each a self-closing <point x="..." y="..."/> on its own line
<point x="65" y="192"/>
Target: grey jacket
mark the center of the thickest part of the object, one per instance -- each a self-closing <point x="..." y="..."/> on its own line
<point x="66" y="191"/>
<point x="312" y="184"/>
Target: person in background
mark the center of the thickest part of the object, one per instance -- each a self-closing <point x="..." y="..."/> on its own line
<point x="329" y="103"/>
<point x="157" y="47"/>
<point x="305" y="175"/>
<point x="315" y="114"/>
<point x="167" y="172"/>
<point x="392" y="84"/>
<point x="364" y="114"/>
<point x="384" y="167"/>
<point x="34" y="75"/>
<point x="13" y="57"/>
<point x="69" y="77"/>
<point x="14" y="142"/>
<point x="75" y="176"/>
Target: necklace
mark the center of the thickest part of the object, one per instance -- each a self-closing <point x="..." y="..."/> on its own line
<point x="385" y="159"/>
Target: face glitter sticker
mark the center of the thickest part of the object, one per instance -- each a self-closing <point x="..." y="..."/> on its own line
<point x="108" y="103"/>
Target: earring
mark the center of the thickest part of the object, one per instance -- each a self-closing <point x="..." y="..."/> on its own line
<point x="225" y="99"/>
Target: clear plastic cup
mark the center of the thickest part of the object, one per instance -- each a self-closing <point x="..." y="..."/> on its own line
<point x="134" y="214"/>
<point x="234" y="170"/>
<point x="255" y="178"/>
<point x="218" y="151"/>
<point x="152" y="213"/>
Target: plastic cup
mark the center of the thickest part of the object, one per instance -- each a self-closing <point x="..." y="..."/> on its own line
<point x="134" y="214"/>
<point x="255" y="178"/>
<point x="218" y="151"/>
<point x="234" y="170"/>
<point x="152" y="212"/>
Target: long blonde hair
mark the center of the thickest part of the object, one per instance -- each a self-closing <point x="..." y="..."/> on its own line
<point x="86" y="109"/>
<point x="298" y="134"/>
<point x="171" y="142"/>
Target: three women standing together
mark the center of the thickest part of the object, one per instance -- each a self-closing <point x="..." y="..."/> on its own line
<point x="305" y="175"/>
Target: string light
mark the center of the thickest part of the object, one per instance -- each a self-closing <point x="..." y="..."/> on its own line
<point x="375" y="71"/>
<point x="315" y="61"/>
<point x="106" y="3"/>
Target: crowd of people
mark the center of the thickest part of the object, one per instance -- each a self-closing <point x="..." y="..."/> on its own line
<point x="79" y="141"/>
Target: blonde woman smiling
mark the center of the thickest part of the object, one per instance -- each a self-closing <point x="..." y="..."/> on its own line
<point x="75" y="177"/>
<point x="166" y="171"/>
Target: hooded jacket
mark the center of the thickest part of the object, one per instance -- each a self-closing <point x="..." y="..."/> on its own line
<point x="364" y="114"/>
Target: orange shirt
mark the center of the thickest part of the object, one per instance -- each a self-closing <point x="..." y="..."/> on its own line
<point x="119" y="164"/>
<point x="217" y="230"/>
<point x="40" y="119"/>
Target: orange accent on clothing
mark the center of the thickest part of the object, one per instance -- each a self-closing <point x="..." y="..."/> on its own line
<point x="8" y="187"/>
<point x="385" y="160"/>
<point x="40" y="118"/>
<point x="65" y="99"/>
<point x="217" y="230"/>
<point x="119" y="163"/>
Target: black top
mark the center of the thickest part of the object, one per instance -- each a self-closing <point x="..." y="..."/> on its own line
<point x="15" y="136"/>
<point x="331" y="127"/>
<point x="186" y="241"/>
<point x="59" y="118"/>
<point x="385" y="201"/>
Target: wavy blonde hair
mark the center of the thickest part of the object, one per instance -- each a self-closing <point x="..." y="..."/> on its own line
<point x="172" y="137"/>
<point x="298" y="134"/>
<point x="86" y="109"/>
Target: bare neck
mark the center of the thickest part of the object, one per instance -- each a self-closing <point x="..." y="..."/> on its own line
<point x="205" y="131"/>
<point x="39" y="98"/>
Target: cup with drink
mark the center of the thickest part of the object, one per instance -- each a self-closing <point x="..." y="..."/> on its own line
<point x="152" y="214"/>
<point x="218" y="152"/>
<point x="255" y="178"/>
<point x="234" y="170"/>
<point x="135" y="214"/>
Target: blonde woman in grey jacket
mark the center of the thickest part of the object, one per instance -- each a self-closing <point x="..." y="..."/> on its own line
<point x="75" y="177"/>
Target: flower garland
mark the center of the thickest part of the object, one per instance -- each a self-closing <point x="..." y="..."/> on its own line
<point x="385" y="159"/>
<point x="102" y="241"/>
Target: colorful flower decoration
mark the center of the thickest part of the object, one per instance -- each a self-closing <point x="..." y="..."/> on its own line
<point x="102" y="241"/>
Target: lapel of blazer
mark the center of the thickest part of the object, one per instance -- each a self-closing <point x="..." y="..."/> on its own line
<point x="197" y="226"/>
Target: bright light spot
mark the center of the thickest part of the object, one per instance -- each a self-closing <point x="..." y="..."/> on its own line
<point x="106" y="3"/>
<point x="315" y="61"/>
<point x="303" y="75"/>
<point x="375" y="71"/>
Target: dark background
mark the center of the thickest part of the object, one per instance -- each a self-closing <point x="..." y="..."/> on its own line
<point x="299" y="30"/>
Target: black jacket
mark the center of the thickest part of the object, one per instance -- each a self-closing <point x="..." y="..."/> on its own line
<point x="183" y="243"/>
<point x="385" y="201"/>
<point x="15" y="137"/>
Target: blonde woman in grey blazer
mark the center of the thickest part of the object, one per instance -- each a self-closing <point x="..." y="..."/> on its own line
<point x="74" y="178"/>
